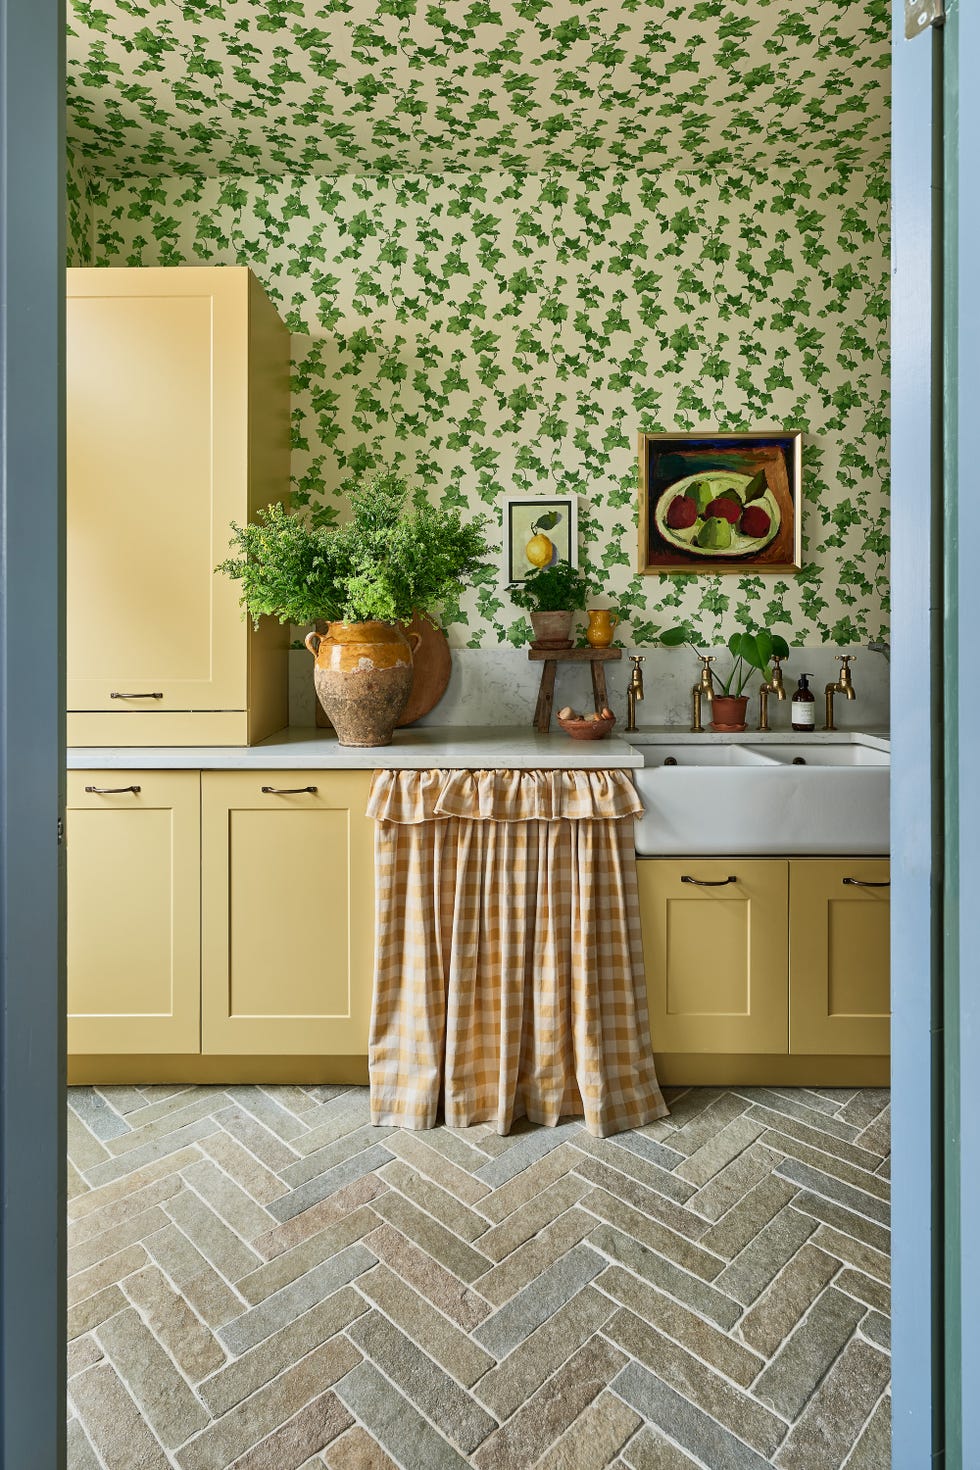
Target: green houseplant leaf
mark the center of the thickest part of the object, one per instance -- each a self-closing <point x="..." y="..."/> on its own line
<point x="560" y="588"/>
<point x="389" y="561"/>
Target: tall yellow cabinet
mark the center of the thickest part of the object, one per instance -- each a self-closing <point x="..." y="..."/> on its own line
<point x="178" y="424"/>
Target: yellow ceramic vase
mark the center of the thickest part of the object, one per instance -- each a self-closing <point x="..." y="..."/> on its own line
<point x="601" y="625"/>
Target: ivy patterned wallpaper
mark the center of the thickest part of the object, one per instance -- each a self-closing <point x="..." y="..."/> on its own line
<point x="503" y="303"/>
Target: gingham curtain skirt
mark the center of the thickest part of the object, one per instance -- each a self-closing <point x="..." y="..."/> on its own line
<point x="509" y="967"/>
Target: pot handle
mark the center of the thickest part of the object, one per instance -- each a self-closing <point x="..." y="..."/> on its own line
<point x="415" y="639"/>
<point x="308" y="641"/>
<point x="614" y="619"/>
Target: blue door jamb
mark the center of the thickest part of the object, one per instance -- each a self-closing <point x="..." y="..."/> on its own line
<point x="32" y="994"/>
<point x="916" y="754"/>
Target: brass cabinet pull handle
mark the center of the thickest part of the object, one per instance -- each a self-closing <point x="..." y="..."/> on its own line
<point x="864" y="883"/>
<point x="288" y="790"/>
<point x="116" y="695"/>
<point x="112" y="790"/>
<point x="708" y="882"/>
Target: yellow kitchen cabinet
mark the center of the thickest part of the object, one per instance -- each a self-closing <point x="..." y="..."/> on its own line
<point x="779" y="978"/>
<point x="715" y="954"/>
<point x="839" y="957"/>
<point x="288" y="913"/>
<point x="132" y="843"/>
<point x="177" y="424"/>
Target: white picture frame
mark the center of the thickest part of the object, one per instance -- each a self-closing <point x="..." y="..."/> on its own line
<point x="522" y="516"/>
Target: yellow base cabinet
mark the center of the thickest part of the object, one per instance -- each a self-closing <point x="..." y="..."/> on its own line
<point x="177" y="425"/>
<point x="839" y="957"/>
<point x="288" y="912"/>
<point x="767" y="971"/>
<point x="132" y="845"/>
<point x="714" y="945"/>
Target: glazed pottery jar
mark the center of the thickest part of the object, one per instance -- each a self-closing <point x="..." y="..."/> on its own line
<point x="601" y="626"/>
<point x="363" y="675"/>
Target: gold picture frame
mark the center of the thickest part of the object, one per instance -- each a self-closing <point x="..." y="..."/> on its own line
<point x="674" y="466"/>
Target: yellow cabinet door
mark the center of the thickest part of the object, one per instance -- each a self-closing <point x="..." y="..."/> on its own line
<point x="288" y="913"/>
<point x="839" y="957"/>
<point x="132" y="843"/>
<point x="715" y="953"/>
<point x="157" y="468"/>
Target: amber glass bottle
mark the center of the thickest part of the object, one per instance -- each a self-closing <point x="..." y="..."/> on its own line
<point x="804" y="705"/>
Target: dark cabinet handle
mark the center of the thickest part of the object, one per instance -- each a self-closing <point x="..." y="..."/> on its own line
<point x="708" y="882"/>
<point x="112" y="790"/>
<point x="116" y="695"/>
<point x="288" y="790"/>
<point x="864" y="883"/>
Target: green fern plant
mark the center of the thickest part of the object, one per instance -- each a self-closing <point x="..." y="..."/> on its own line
<point x="392" y="559"/>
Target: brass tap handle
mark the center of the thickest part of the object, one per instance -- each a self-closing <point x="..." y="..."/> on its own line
<point x="707" y="659"/>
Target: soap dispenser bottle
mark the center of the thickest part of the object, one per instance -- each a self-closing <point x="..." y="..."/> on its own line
<point x="804" y="705"/>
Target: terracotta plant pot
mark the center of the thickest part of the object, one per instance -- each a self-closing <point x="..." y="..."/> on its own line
<point x="363" y="675"/>
<point x="728" y="711"/>
<point x="551" y="629"/>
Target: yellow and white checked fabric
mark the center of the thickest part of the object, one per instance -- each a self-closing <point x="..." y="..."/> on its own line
<point x="509" y="967"/>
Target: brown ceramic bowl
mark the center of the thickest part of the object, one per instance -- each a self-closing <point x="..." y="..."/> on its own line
<point x="587" y="729"/>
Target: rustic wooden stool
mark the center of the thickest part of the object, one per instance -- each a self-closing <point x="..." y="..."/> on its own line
<point x="551" y="658"/>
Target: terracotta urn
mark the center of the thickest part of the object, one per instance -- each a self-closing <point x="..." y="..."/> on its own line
<point x="363" y="675"/>
<point x="551" y="629"/>
<point x="728" y="711"/>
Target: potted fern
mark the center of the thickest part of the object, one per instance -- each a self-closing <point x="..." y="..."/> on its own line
<point x="749" y="650"/>
<point x="551" y="595"/>
<point x="365" y="579"/>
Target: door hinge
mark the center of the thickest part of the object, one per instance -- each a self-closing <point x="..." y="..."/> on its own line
<point x="921" y="14"/>
<point x="61" y="831"/>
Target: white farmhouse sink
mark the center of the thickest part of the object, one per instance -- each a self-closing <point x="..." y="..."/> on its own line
<point x="744" y="798"/>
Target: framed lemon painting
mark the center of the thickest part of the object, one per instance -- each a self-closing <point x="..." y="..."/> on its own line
<point x="721" y="502"/>
<point x="538" y="532"/>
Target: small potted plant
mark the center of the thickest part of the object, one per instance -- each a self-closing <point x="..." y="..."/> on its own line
<point x="366" y="579"/>
<point x="750" y="650"/>
<point x="551" y="595"/>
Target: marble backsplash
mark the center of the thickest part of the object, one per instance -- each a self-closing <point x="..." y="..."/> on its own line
<point x="499" y="686"/>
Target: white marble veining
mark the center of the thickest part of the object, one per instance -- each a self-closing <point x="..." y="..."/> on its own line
<point x="429" y="747"/>
<point x="499" y="686"/>
<point x="425" y="747"/>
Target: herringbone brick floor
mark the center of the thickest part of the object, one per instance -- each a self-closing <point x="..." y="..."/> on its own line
<point x="260" y="1279"/>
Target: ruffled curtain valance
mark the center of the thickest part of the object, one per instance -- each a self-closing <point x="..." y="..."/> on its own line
<point x="503" y="796"/>
<point x="509" y="970"/>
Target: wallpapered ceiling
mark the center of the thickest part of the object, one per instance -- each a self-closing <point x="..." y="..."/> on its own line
<point x="467" y="306"/>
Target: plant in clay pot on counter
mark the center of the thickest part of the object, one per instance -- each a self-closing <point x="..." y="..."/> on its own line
<point x="750" y="651"/>
<point x="393" y="559"/>
<point x="551" y="595"/>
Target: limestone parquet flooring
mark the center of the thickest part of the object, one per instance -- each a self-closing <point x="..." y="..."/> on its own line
<point x="261" y="1280"/>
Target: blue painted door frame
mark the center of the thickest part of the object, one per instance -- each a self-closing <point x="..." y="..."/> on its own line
<point x="935" y="734"/>
<point x="962" y="601"/>
<point x="32" y="994"/>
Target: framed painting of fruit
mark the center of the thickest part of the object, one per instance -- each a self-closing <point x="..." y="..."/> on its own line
<point x="538" y="532"/>
<point x="721" y="502"/>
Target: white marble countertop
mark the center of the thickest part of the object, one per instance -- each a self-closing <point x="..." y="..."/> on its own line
<point x="493" y="747"/>
<point x="875" y="737"/>
<point x="424" y="747"/>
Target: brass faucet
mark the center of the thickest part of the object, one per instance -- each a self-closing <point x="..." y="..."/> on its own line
<point x="703" y="689"/>
<point x="634" y="690"/>
<point x="843" y="686"/>
<point x="775" y="686"/>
